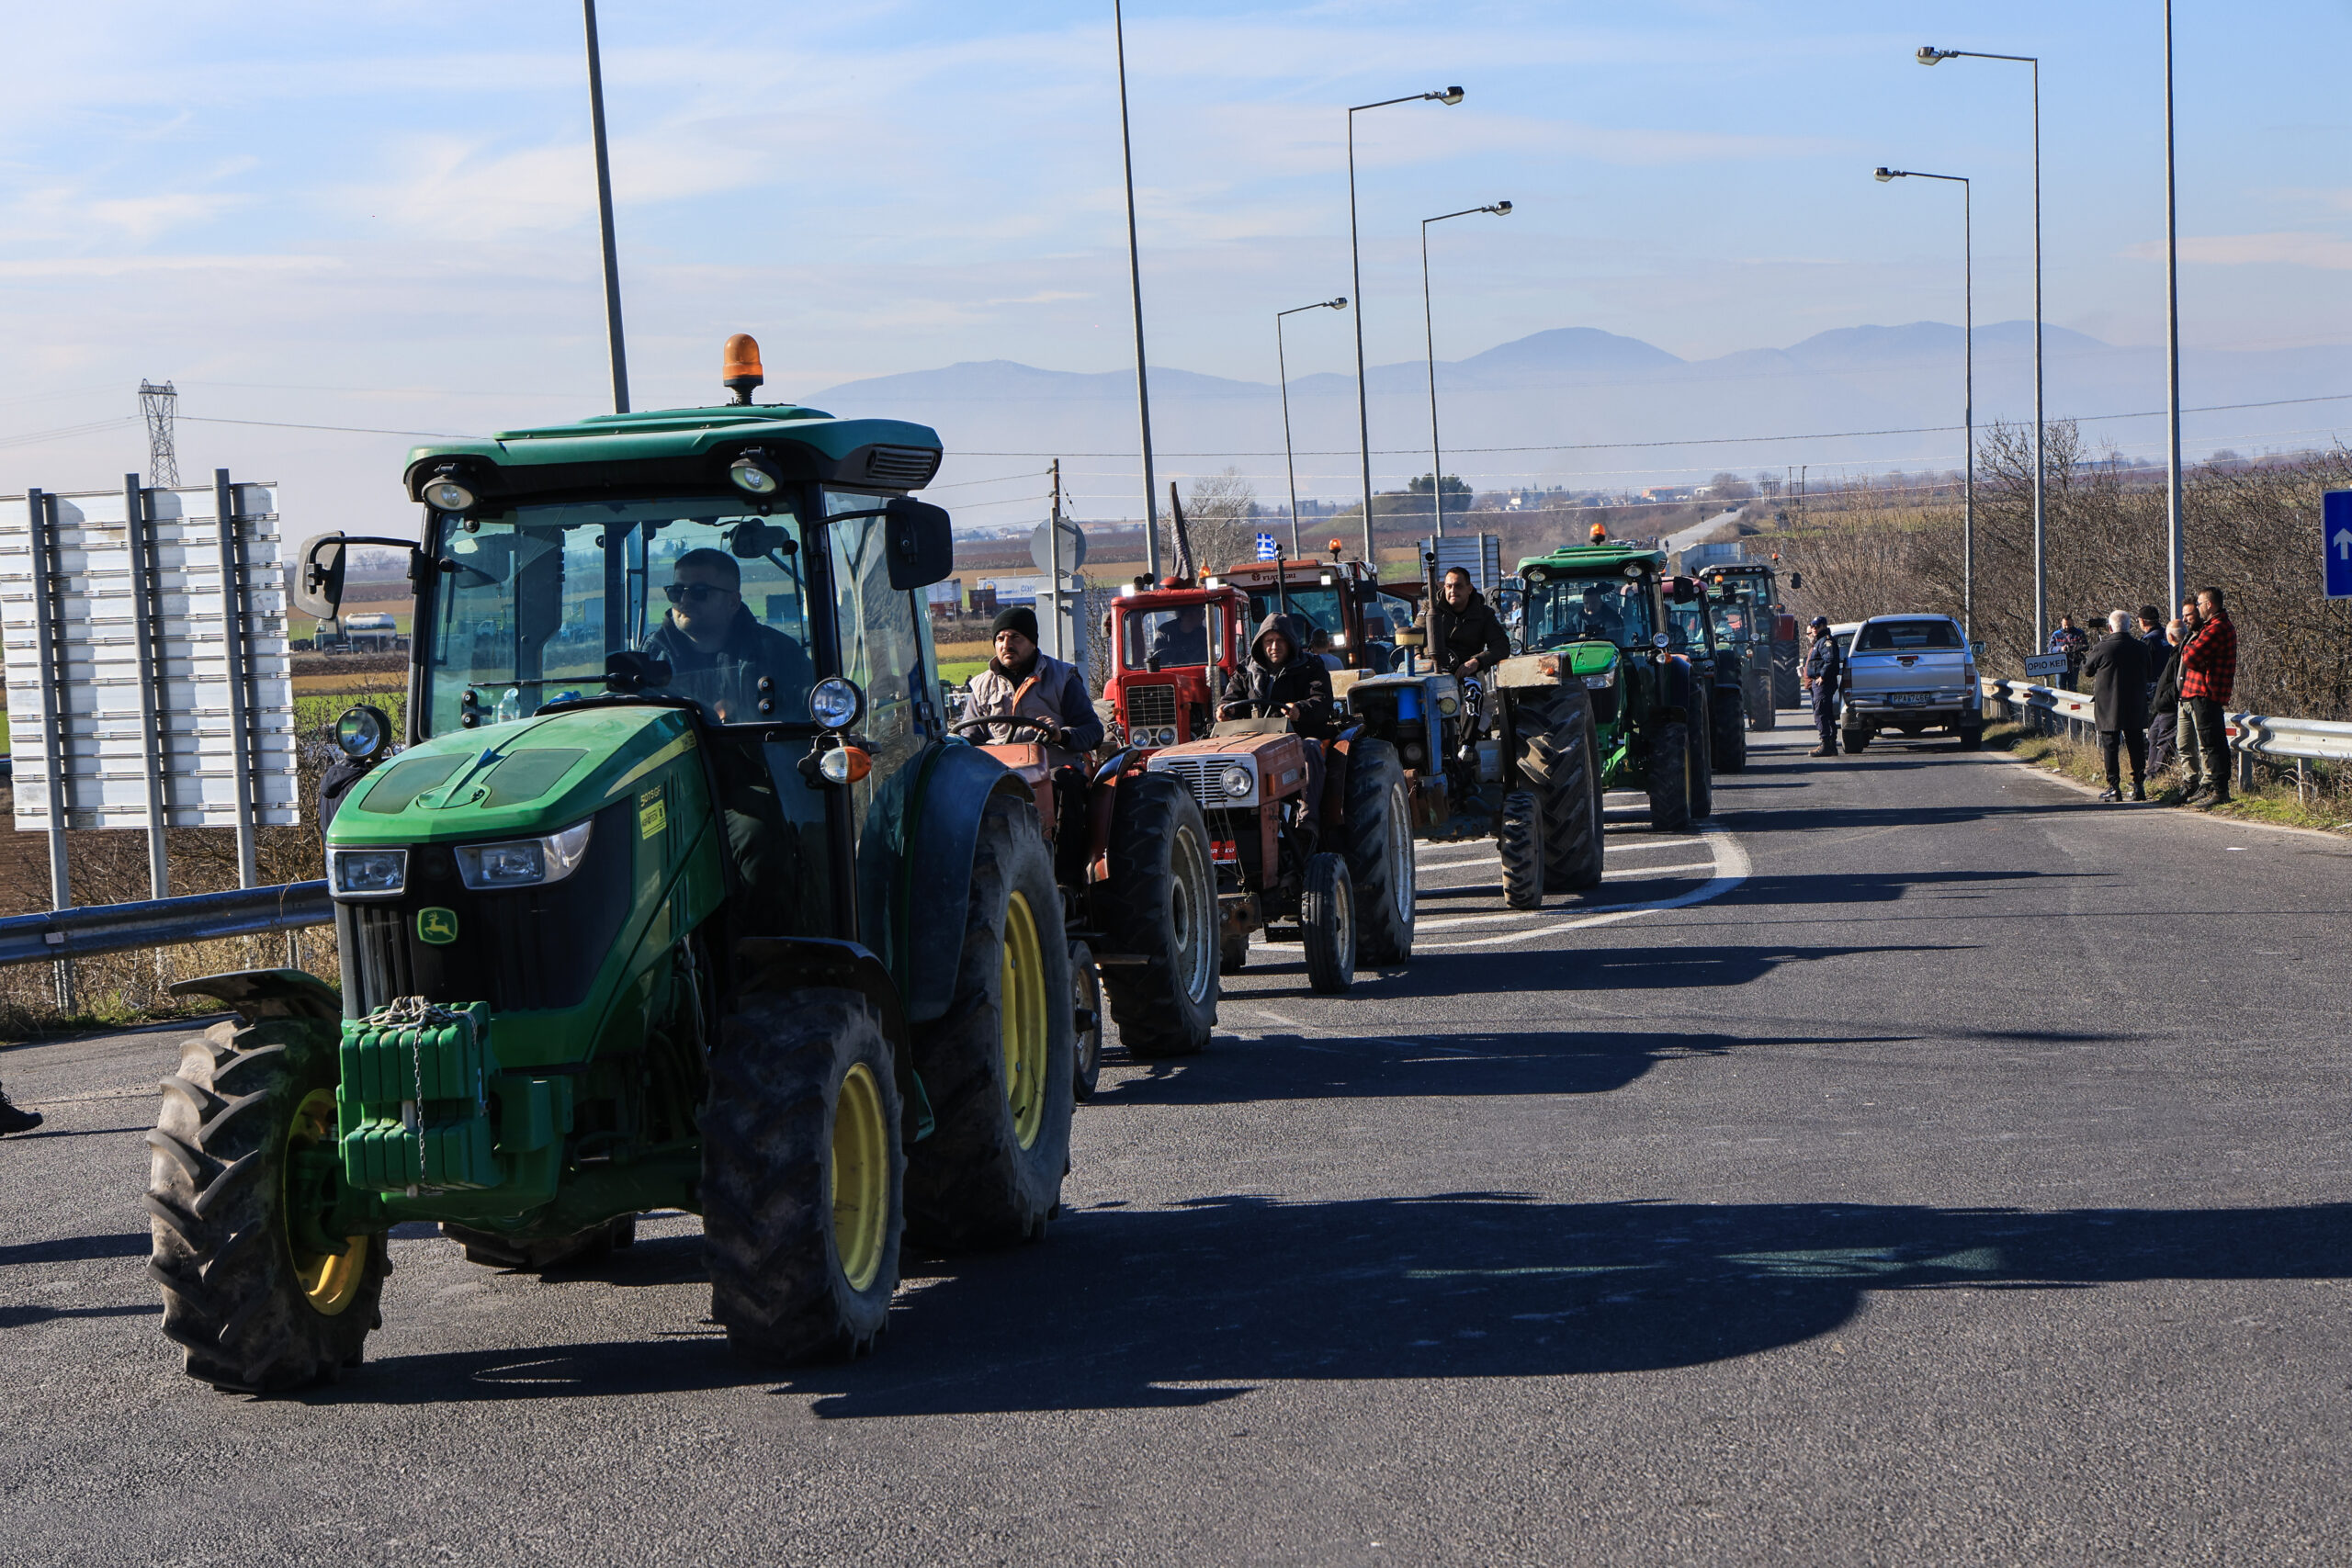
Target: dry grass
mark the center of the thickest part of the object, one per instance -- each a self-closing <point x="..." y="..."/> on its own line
<point x="2322" y="806"/>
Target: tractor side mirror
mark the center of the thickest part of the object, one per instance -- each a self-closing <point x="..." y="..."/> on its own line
<point x="1367" y="593"/>
<point x="1796" y="579"/>
<point x="1685" y="589"/>
<point x="923" y="545"/>
<point x="754" y="540"/>
<point x="317" y="587"/>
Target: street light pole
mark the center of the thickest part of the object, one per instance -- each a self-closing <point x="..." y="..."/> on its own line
<point x="1355" y="273"/>
<point x="1135" y="289"/>
<point x="1429" y="333"/>
<point x="1968" y="381"/>
<point x="1282" y="373"/>
<point x="1929" y="55"/>
<point x="2176" y="530"/>
<point x="604" y="215"/>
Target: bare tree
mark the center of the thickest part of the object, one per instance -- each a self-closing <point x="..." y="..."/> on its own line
<point x="1221" y="514"/>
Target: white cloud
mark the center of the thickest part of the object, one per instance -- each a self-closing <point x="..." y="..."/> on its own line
<point x="2327" y="252"/>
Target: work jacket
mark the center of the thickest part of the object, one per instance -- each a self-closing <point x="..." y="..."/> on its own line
<point x="1047" y="689"/>
<point x="1824" y="666"/>
<point x="2118" y="668"/>
<point x="2208" y="660"/>
<point x="1259" y="690"/>
<point x="1472" y="632"/>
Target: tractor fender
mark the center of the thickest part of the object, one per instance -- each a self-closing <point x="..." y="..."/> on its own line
<point x="257" y="994"/>
<point x="934" y="878"/>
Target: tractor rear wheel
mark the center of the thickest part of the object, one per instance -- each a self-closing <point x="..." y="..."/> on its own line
<point x="802" y="1176"/>
<point x="1379" y="852"/>
<point x="1326" y="917"/>
<point x="1562" y="764"/>
<point x="250" y="1291"/>
<point x="1162" y="894"/>
<point x="1086" y="1008"/>
<point x="1731" y="731"/>
<point x="1519" y="840"/>
<point x="1670" y="768"/>
<point x="999" y="1064"/>
<point x="1702" y="741"/>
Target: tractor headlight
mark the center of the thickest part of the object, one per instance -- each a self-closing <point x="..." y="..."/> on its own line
<point x="1167" y="734"/>
<point x="524" y="863"/>
<point x="1601" y="682"/>
<point x="362" y="734"/>
<point x="836" y="703"/>
<point x="751" y="475"/>
<point x="446" y="494"/>
<point x="1236" y="782"/>
<point x="369" y="874"/>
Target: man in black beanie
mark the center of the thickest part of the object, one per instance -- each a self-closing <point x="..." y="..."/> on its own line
<point x="1022" y="680"/>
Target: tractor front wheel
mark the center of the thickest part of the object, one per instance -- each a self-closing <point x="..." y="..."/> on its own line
<point x="998" y="1066"/>
<point x="1519" y="840"/>
<point x="1379" y="833"/>
<point x="1702" y="741"/>
<point x="240" y="1176"/>
<point x="1730" y="710"/>
<point x="1328" y="916"/>
<point x="1163" y="909"/>
<point x="1086" y="1019"/>
<point x="802" y="1176"/>
<point x="1564" y="764"/>
<point x="1670" y="767"/>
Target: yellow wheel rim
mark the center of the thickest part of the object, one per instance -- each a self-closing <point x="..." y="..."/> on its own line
<point x="1020" y="1011"/>
<point x="861" y="1176"/>
<point x="329" y="1282"/>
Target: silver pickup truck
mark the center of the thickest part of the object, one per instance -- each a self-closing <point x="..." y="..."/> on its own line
<point x="1911" y="673"/>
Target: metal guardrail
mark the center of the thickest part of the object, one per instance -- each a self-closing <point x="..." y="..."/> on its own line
<point x="2251" y="735"/>
<point x="164" y="922"/>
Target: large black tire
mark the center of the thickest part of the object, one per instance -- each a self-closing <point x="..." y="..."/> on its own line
<point x="1233" y="954"/>
<point x="1086" y="1008"/>
<point x="1379" y="852"/>
<point x="1855" y="739"/>
<point x="802" y="1176"/>
<point x="1702" y="758"/>
<point x="996" y="1069"/>
<point x="1670" y="769"/>
<point x="1972" y="738"/>
<point x="1730" y="711"/>
<point x="1327" y="916"/>
<point x="245" y="1101"/>
<point x="1162" y="908"/>
<point x="1519" y="841"/>
<point x="1562" y="764"/>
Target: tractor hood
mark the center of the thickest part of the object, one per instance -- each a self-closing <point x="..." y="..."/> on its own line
<point x="530" y="776"/>
<point x="1589" y="658"/>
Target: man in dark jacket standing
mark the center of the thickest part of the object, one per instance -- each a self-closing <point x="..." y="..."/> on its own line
<point x="2118" y="670"/>
<point x="1824" y="674"/>
<point x="2208" y="671"/>
<point x="1466" y="637"/>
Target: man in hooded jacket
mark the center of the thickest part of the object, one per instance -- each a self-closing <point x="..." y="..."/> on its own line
<point x="1282" y="680"/>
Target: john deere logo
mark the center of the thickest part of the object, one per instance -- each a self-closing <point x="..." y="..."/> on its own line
<point x="436" y="926"/>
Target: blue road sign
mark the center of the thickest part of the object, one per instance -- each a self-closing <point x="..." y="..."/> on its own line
<point x="2335" y="542"/>
<point x="1268" y="550"/>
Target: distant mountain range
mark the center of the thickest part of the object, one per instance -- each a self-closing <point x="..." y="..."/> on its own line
<point x="1588" y="408"/>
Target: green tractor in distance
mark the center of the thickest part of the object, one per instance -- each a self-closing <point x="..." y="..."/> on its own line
<point x="680" y="896"/>
<point x="1602" y="612"/>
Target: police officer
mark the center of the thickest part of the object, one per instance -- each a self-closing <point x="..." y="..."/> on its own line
<point x="1825" y="677"/>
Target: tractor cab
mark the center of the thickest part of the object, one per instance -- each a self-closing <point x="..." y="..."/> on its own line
<point x="1342" y="609"/>
<point x="1743" y="603"/>
<point x="1171" y="649"/>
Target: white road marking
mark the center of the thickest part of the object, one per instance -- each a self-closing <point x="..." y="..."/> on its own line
<point x="1731" y="866"/>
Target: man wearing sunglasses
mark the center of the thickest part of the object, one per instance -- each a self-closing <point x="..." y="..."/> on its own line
<point x="719" y="654"/>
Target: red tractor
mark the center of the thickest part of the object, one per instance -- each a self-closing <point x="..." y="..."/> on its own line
<point x="1132" y="859"/>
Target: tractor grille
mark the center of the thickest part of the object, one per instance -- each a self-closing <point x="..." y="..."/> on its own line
<point x="909" y="466"/>
<point x="1199" y="775"/>
<point x="1148" y="707"/>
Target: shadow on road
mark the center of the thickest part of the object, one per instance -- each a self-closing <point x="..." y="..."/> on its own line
<point x="1127" y="1309"/>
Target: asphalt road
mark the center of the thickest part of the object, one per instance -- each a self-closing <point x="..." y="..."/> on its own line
<point x="1944" y="1168"/>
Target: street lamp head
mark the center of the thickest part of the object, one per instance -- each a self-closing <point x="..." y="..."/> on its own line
<point x="1929" y="54"/>
<point x="1883" y="174"/>
<point x="1500" y="209"/>
<point x="1338" y="304"/>
<point x="1451" y="96"/>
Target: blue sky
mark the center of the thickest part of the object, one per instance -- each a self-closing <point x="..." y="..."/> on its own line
<point x="380" y="214"/>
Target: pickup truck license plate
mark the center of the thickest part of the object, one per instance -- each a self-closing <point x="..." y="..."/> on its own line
<point x="1908" y="699"/>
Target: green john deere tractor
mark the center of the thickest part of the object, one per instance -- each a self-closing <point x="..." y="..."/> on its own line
<point x="679" y="896"/>
<point x="1604" y="612"/>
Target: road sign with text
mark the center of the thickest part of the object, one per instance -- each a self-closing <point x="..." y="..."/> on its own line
<point x="2335" y="542"/>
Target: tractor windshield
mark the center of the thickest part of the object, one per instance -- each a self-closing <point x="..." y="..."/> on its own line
<point x="1687" y="624"/>
<point x="1734" y="617"/>
<point x="1163" y="639"/>
<point x="534" y="599"/>
<point x="1603" y="609"/>
<point x="1315" y="605"/>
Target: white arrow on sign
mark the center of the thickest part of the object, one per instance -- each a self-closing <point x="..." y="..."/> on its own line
<point x="2343" y="543"/>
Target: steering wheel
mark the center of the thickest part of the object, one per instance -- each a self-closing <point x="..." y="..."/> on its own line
<point x="1045" y="729"/>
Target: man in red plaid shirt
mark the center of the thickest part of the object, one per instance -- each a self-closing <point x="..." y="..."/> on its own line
<point x="2209" y="669"/>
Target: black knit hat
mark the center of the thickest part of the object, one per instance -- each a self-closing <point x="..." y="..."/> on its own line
<point x="1015" y="618"/>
